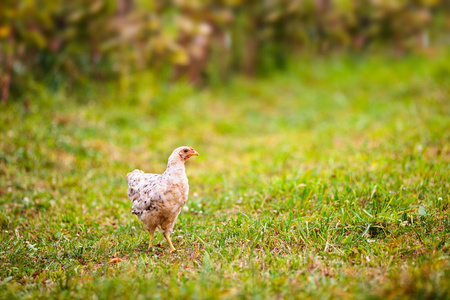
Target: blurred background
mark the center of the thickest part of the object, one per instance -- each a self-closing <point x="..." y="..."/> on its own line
<point x="332" y="113"/>
<point x="67" y="43"/>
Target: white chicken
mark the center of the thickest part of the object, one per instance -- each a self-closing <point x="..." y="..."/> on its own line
<point x="158" y="198"/>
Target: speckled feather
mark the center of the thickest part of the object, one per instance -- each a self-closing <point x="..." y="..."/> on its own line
<point x="158" y="198"/>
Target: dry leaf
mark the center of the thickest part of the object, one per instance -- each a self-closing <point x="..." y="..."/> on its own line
<point x="114" y="260"/>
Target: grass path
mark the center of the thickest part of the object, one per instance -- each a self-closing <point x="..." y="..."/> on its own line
<point x="328" y="180"/>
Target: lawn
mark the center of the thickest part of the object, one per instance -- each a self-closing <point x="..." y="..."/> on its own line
<point x="327" y="180"/>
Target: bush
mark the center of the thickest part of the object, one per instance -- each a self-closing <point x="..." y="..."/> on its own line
<point x="201" y="40"/>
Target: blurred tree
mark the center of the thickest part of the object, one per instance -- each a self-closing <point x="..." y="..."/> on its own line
<point x="71" y="41"/>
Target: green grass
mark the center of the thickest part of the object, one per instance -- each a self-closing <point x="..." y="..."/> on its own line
<point x="329" y="180"/>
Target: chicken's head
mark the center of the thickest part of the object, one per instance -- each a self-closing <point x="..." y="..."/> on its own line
<point x="186" y="152"/>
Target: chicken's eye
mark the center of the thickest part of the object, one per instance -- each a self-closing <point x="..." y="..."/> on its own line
<point x="185" y="151"/>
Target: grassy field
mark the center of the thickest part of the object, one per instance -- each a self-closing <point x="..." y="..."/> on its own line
<point x="329" y="180"/>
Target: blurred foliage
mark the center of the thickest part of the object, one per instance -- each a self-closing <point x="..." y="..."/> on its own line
<point x="72" y="41"/>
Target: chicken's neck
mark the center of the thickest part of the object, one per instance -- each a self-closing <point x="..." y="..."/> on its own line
<point x="175" y="167"/>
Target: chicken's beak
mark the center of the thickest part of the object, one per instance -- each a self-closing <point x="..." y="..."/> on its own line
<point x="195" y="153"/>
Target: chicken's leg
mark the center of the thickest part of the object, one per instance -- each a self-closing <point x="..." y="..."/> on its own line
<point x="171" y="248"/>
<point x="150" y="243"/>
<point x="151" y="231"/>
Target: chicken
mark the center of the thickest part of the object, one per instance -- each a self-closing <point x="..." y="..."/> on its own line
<point x="158" y="198"/>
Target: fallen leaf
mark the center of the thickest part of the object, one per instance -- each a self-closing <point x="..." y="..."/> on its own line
<point x="114" y="260"/>
<point x="422" y="211"/>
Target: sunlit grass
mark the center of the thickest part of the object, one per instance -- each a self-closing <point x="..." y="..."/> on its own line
<point x="328" y="180"/>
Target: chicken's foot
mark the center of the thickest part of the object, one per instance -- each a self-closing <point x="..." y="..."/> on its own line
<point x="171" y="248"/>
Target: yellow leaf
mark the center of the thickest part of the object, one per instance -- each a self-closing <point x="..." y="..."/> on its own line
<point x="115" y="260"/>
<point x="4" y="31"/>
<point x="180" y="57"/>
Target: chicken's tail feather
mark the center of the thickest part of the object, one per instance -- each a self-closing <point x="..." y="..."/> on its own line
<point x="132" y="174"/>
<point x="133" y="180"/>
